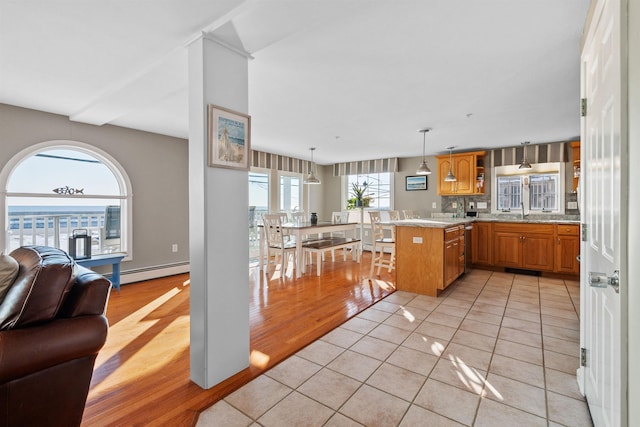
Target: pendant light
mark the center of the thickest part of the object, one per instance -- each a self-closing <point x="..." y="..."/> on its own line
<point x="423" y="169"/>
<point x="450" y="176"/>
<point x="525" y="163"/>
<point x="311" y="178"/>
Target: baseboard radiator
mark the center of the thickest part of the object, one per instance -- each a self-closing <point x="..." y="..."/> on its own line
<point x="152" y="272"/>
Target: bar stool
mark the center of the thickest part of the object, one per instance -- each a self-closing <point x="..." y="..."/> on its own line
<point x="380" y="243"/>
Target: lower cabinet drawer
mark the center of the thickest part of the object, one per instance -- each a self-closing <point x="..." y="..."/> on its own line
<point x="568" y="229"/>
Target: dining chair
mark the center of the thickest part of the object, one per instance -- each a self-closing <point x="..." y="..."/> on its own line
<point x="253" y="232"/>
<point x="380" y="243"/>
<point x="284" y="219"/>
<point x="341" y="217"/>
<point x="298" y="217"/>
<point x="394" y="215"/>
<point x="411" y="214"/>
<point x="277" y="243"/>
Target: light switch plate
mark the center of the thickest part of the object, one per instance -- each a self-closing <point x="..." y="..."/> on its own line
<point x="434" y="205"/>
<point x="417" y="240"/>
<point x="454" y="205"/>
<point x="482" y="205"/>
<point x="572" y="205"/>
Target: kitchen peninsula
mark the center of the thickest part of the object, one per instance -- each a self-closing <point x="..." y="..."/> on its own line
<point x="429" y="254"/>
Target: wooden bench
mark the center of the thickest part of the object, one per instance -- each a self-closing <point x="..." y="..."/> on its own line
<point x="321" y="245"/>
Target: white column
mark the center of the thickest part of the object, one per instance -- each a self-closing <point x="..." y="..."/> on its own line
<point x="218" y="224"/>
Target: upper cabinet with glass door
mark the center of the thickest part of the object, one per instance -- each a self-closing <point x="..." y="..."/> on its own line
<point x="468" y="169"/>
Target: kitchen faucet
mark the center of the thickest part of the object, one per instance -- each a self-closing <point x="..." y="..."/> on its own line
<point x="525" y="181"/>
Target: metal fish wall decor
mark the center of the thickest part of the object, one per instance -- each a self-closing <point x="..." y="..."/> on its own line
<point x="68" y="190"/>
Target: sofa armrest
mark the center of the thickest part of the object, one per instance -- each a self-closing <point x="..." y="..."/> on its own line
<point x="88" y="295"/>
<point x="27" y="350"/>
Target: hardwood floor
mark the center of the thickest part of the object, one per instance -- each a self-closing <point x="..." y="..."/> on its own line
<point x="141" y="376"/>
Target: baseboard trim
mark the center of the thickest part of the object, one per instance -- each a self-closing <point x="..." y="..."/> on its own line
<point x="155" y="272"/>
<point x="580" y="379"/>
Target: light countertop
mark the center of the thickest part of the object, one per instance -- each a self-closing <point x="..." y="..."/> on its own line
<point x="531" y="220"/>
<point x="432" y="223"/>
<point x="447" y="222"/>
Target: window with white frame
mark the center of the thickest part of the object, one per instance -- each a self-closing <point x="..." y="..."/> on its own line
<point x="56" y="190"/>
<point x="379" y="191"/>
<point x="290" y="192"/>
<point x="259" y="192"/>
<point x="536" y="190"/>
<point x="509" y="192"/>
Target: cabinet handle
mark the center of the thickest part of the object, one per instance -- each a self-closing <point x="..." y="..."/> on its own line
<point x="558" y="240"/>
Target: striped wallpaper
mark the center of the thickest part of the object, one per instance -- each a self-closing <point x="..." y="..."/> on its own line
<point x="366" y="166"/>
<point x="536" y="153"/>
<point x="261" y="159"/>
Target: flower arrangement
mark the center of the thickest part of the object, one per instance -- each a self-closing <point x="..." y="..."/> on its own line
<point x="358" y="198"/>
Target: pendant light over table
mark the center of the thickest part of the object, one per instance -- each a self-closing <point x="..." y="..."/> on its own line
<point x="423" y="169"/>
<point x="311" y="178"/>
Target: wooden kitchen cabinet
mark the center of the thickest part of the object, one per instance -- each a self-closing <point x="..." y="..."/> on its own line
<point x="450" y="262"/>
<point x="461" y="254"/>
<point x="568" y="248"/>
<point x="537" y="251"/>
<point x="453" y="254"/>
<point x="428" y="259"/>
<point x="507" y="249"/>
<point x="524" y="246"/>
<point x="469" y="171"/>
<point x="482" y="243"/>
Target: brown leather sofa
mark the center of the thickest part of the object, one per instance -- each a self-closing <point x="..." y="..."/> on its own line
<point x="52" y="325"/>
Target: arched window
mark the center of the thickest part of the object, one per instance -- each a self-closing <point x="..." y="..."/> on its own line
<point x="59" y="188"/>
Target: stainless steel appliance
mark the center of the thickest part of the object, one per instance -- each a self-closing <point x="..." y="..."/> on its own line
<point x="467" y="247"/>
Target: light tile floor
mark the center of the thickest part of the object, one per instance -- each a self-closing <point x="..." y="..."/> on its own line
<point x="496" y="349"/>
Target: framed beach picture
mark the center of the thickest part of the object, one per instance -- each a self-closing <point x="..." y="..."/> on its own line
<point x="229" y="138"/>
<point x="415" y="183"/>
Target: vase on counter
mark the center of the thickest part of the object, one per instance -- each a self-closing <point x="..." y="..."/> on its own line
<point x="314" y="218"/>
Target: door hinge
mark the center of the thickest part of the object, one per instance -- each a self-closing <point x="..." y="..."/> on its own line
<point x="583" y="356"/>
<point x="583" y="107"/>
<point x="584" y="232"/>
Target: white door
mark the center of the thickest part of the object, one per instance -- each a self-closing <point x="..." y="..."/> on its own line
<point x="601" y="189"/>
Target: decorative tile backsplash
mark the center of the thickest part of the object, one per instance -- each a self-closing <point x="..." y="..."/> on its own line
<point x="458" y="206"/>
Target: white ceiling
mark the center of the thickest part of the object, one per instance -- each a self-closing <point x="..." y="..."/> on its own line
<point x="354" y="78"/>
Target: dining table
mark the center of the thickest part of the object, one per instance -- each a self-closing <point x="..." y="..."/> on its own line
<point x="301" y="230"/>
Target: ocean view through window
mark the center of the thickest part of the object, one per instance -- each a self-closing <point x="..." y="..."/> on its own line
<point x="55" y="191"/>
